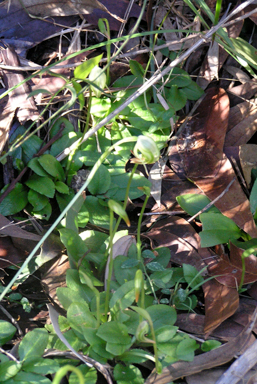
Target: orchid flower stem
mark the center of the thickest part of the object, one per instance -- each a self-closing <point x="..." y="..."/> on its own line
<point x="139" y="229"/>
<point x="108" y="287"/>
<point x="126" y="196"/>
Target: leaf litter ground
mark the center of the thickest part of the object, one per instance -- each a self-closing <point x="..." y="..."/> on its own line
<point x="208" y="156"/>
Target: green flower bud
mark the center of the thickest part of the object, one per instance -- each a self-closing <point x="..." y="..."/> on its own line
<point x="146" y="151"/>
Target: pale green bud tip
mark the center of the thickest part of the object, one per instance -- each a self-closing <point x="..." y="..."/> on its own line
<point x="146" y="151"/>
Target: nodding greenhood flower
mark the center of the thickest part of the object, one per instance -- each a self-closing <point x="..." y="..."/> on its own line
<point x="145" y="151"/>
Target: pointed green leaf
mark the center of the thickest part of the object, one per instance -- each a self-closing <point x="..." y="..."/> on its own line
<point x="51" y="166"/>
<point x="83" y="70"/>
<point x="43" y="185"/>
<point x="16" y="200"/>
<point x="33" y="344"/>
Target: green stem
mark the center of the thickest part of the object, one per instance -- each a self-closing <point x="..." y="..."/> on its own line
<point x="139" y="229"/>
<point x="64" y="370"/>
<point x="243" y="274"/>
<point x="107" y="297"/>
<point x="126" y="197"/>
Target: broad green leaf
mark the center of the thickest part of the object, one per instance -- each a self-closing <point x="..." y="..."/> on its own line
<point x="80" y="317"/>
<point x="123" y="275"/>
<point x="217" y="229"/>
<point x="7" y="331"/>
<point x="129" y="263"/>
<point x="62" y="124"/>
<point x="73" y="242"/>
<point x="117" y="348"/>
<point x="36" y="167"/>
<point x="43" y="185"/>
<point x="40" y="365"/>
<point x="162" y="279"/>
<point x="72" y="338"/>
<point x="184" y="302"/>
<point x="136" y="356"/>
<point x="94" y="240"/>
<point x="71" y="218"/>
<point x="74" y="283"/>
<point x="208" y="345"/>
<point x="136" y="68"/>
<point x="98" y="213"/>
<point x="52" y="166"/>
<point x="193" y="91"/>
<point x="9" y="369"/>
<point x="100" y="107"/>
<point x="30" y="148"/>
<point x="122" y="180"/>
<point x="192" y="203"/>
<point x="253" y="198"/>
<point x="84" y="69"/>
<point x="165" y="333"/>
<point x="126" y="81"/>
<point x="44" y="213"/>
<point x="114" y="331"/>
<point x="33" y="344"/>
<point x="162" y="315"/>
<point x="192" y="276"/>
<point x="67" y="296"/>
<point x="155" y="266"/>
<point x="98" y="77"/>
<point x="123" y="297"/>
<point x="179" y="77"/>
<point x="176" y="98"/>
<point x="28" y="378"/>
<point x="185" y="349"/>
<point x="87" y="277"/>
<point x="64" y="142"/>
<point x="127" y="375"/>
<point x="100" y="182"/>
<point x="89" y="374"/>
<point x="37" y="200"/>
<point x="62" y="187"/>
<point x="16" y="200"/>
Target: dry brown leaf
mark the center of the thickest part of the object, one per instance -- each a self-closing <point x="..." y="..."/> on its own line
<point x="52" y="8"/>
<point x="228" y="270"/>
<point x="53" y="83"/>
<point x="9" y="254"/>
<point x="210" y="67"/>
<point x="242" y="92"/>
<point x="8" y="228"/>
<point x="242" y="123"/>
<point x="238" y="73"/>
<point x="183" y="251"/>
<point x="221" y="302"/>
<point x="248" y="160"/>
<point x="55" y="276"/>
<point x="207" y="360"/>
<point x="234" y="204"/>
<point x="18" y="98"/>
<point x="6" y="117"/>
<point x="200" y="146"/>
<point x="207" y="73"/>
